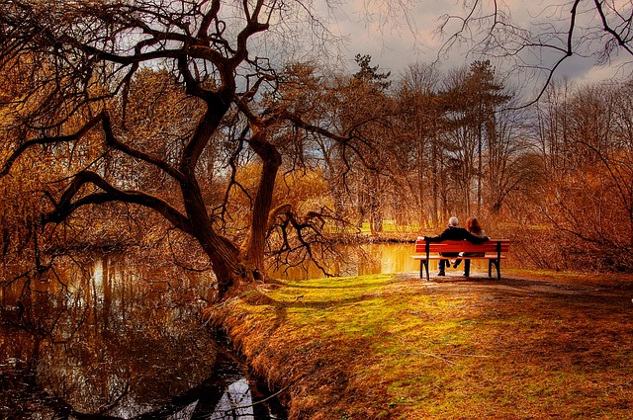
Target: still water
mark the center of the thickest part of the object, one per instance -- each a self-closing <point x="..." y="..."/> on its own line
<point x="385" y="258"/>
<point x="110" y="338"/>
<point x="357" y="261"/>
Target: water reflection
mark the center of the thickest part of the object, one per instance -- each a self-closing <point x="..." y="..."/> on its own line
<point x="358" y="261"/>
<point x="380" y="258"/>
<point x="118" y="340"/>
<point x="236" y="403"/>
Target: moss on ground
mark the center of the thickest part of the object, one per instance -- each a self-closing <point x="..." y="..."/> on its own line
<point x="396" y="347"/>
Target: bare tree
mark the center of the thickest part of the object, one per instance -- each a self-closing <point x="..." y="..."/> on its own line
<point x="420" y="110"/>
<point x="586" y="189"/>
<point x="83" y="62"/>
<point x="537" y="40"/>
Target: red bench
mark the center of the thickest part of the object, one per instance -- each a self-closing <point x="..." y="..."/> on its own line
<point x="493" y="250"/>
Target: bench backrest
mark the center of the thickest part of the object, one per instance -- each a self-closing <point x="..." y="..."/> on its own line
<point x="493" y="245"/>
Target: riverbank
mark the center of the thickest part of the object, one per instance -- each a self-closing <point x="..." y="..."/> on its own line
<point x="395" y="347"/>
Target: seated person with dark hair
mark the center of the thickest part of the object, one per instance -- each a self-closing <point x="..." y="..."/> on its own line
<point x="455" y="233"/>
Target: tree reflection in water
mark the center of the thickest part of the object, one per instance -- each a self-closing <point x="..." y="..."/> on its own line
<point x="117" y="341"/>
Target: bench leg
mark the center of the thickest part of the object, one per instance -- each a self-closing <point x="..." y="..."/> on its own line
<point x="424" y="265"/>
<point x="497" y="264"/>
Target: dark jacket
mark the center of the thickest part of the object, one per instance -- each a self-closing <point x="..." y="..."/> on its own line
<point x="456" y="233"/>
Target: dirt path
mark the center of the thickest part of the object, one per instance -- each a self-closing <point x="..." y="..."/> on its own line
<point x="581" y="287"/>
<point x="558" y="338"/>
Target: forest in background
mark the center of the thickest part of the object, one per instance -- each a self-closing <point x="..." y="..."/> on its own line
<point x="555" y="177"/>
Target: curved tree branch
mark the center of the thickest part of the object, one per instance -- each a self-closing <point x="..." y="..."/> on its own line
<point x="113" y="142"/>
<point x="209" y="17"/>
<point x="253" y="26"/>
<point x="66" y="206"/>
<point x="622" y="42"/>
<point x="48" y="140"/>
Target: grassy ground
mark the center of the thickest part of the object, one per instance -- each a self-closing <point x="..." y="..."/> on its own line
<point x="530" y="346"/>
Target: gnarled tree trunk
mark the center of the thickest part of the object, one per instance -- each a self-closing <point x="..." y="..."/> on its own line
<point x="271" y="159"/>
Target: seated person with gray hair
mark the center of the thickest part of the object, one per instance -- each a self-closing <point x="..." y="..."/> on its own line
<point x="455" y="233"/>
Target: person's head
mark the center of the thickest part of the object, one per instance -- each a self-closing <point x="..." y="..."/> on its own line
<point x="473" y="226"/>
<point x="453" y="221"/>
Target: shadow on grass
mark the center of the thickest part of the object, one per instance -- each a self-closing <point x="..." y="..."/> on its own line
<point x="359" y="285"/>
<point x="558" y="341"/>
<point x="280" y="307"/>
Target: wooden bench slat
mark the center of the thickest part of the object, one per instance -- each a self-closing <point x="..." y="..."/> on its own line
<point x="439" y="257"/>
<point x="462" y="246"/>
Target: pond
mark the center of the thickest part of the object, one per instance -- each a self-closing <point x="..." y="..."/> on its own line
<point x="110" y="338"/>
<point x="357" y="261"/>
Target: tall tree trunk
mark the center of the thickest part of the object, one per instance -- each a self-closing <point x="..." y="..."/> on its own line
<point x="479" y="163"/>
<point x="422" y="191"/>
<point x="375" y="204"/>
<point x="224" y="256"/>
<point x="271" y="159"/>
<point x="435" y="179"/>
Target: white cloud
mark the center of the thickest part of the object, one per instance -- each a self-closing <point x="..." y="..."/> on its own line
<point x="396" y="37"/>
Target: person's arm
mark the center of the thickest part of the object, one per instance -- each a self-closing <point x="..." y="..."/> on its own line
<point x="437" y="238"/>
<point x="476" y="239"/>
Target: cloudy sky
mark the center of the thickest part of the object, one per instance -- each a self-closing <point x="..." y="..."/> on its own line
<point x="398" y="35"/>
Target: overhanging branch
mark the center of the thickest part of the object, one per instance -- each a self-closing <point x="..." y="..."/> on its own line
<point x="67" y="206"/>
<point x="113" y="142"/>
<point x="48" y="140"/>
<point x="344" y="141"/>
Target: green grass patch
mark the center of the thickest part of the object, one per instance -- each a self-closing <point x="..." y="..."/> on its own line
<point x="388" y="346"/>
